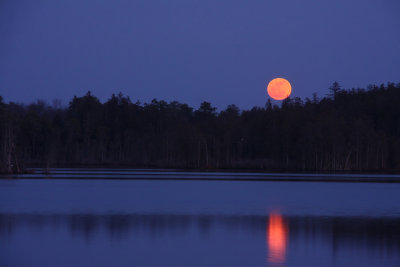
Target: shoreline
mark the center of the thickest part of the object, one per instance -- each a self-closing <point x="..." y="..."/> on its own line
<point x="196" y="175"/>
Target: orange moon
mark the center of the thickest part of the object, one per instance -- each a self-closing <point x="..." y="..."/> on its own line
<point x="279" y="88"/>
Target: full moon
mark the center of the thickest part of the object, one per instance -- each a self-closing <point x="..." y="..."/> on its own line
<point x="279" y="88"/>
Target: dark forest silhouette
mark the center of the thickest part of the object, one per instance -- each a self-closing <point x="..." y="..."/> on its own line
<point x="348" y="130"/>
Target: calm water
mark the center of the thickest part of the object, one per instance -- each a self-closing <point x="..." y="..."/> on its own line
<point x="63" y="222"/>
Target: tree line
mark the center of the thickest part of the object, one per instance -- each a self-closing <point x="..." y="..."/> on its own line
<point x="347" y="130"/>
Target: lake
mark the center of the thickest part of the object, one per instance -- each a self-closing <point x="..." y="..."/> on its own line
<point x="103" y="217"/>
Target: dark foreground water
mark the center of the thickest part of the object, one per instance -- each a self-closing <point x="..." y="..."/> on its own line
<point x="61" y="222"/>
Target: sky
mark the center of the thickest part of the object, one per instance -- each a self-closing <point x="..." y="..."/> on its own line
<point x="220" y="51"/>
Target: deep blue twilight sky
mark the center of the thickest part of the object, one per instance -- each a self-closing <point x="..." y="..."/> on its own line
<point x="222" y="51"/>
